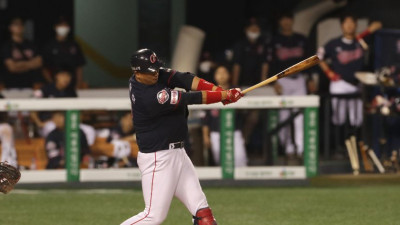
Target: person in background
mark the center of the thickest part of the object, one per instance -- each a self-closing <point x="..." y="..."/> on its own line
<point x="21" y="58"/>
<point x="249" y="68"/>
<point x="8" y="152"/>
<point x="346" y="56"/>
<point x="284" y="50"/>
<point x="55" y="144"/>
<point x="116" y="147"/>
<point x="58" y="89"/>
<point x="249" y="65"/>
<point x="64" y="52"/>
<point x="211" y="125"/>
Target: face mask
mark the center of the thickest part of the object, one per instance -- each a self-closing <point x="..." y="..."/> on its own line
<point x="205" y="66"/>
<point x="252" y="35"/>
<point x="62" y="31"/>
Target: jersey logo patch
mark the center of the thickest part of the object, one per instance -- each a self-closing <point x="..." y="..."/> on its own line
<point x="174" y="97"/>
<point x="162" y="96"/>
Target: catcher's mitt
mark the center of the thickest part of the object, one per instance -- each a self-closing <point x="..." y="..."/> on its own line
<point x="9" y="176"/>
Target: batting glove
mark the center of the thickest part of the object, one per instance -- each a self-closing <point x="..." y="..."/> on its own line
<point x="232" y="95"/>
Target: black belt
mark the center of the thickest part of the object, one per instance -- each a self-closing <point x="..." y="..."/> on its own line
<point x="177" y="145"/>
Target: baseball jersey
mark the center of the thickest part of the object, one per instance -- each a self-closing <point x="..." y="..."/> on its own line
<point x="285" y="51"/>
<point x="250" y="57"/>
<point x="66" y="54"/>
<point x="20" y="52"/>
<point x="160" y="113"/>
<point x="55" y="145"/>
<point x="347" y="57"/>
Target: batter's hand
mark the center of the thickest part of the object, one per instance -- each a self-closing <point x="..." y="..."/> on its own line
<point x="232" y="95"/>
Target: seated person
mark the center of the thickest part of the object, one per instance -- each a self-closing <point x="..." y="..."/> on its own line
<point x="55" y="144"/>
<point x="58" y="89"/>
<point x="211" y="127"/>
<point x="116" y="147"/>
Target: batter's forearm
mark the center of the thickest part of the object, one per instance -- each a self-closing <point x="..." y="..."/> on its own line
<point x="209" y="97"/>
<point x="199" y="84"/>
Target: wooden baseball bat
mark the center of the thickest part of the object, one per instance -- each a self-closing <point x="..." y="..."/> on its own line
<point x="368" y="167"/>
<point x="303" y="65"/>
<point x="353" y="163"/>
<point x="355" y="152"/>
<point x="376" y="161"/>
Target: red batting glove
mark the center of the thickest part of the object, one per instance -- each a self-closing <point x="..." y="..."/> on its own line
<point x="232" y="95"/>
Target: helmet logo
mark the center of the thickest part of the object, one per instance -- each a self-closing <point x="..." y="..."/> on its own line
<point x="153" y="58"/>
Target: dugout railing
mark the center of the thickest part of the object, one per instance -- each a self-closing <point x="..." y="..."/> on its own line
<point x="227" y="170"/>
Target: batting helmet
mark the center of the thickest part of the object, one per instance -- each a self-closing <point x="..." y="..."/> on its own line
<point x="145" y="61"/>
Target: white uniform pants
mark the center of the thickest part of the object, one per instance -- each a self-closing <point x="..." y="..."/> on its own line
<point x="166" y="174"/>
<point x="297" y="87"/>
<point x="239" y="148"/>
<point x="8" y="152"/>
<point x="341" y="108"/>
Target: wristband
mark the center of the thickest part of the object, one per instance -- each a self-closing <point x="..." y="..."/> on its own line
<point x="213" y="96"/>
<point x="204" y="85"/>
<point x="363" y="34"/>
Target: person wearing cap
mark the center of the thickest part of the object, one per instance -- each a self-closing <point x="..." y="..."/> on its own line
<point x="63" y="52"/>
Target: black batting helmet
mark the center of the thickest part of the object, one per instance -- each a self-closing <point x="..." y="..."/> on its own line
<point x="145" y="61"/>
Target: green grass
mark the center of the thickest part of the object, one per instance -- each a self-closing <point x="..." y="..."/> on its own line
<point x="245" y="206"/>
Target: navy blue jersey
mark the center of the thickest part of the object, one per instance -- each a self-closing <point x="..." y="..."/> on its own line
<point x="24" y="51"/>
<point x="346" y="56"/>
<point x="250" y="57"/>
<point x="160" y="113"/>
<point x="285" y="51"/>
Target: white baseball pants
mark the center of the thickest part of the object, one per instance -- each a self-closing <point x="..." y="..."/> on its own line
<point x="292" y="87"/>
<point x="166" y="174"/>
<point x="8" y="152"/>
<point x="341" y="108"/>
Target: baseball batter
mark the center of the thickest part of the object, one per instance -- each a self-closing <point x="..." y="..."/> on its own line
<point x="159" y="116"/>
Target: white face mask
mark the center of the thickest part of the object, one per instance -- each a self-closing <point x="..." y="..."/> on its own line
<point x="205" y="66"/>
<point x="252" y="35"/>
<point x="62" y="31"/>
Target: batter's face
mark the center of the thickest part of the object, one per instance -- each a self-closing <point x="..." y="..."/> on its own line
<point x="221" y="75"/>
<point x="145" y="78"/>
<point x="349" y="26"/>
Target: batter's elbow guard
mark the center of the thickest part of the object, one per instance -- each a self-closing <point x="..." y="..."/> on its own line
<point x="204" y="217"/>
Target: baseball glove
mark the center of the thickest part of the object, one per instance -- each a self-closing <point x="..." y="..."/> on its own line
<point x="9" y="177"/>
